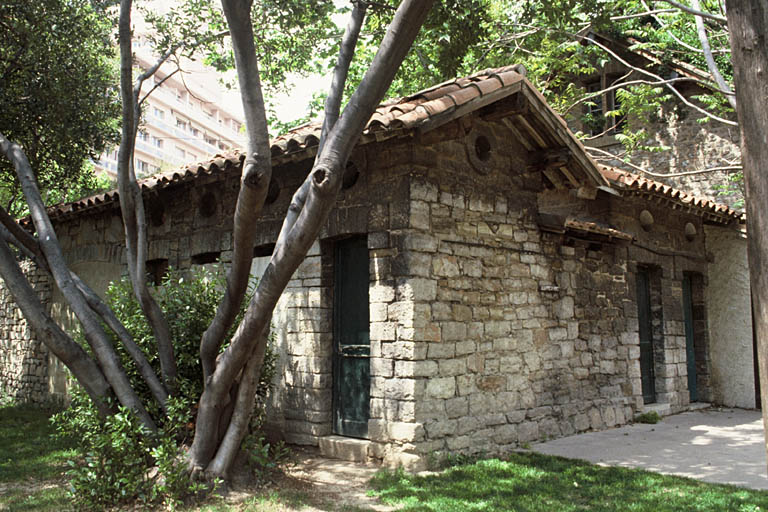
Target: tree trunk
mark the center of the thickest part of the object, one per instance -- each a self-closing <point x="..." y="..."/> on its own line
<point x="321" y="187"/>
<point x="748" y="26"/>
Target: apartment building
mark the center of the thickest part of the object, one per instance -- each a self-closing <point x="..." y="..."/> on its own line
<point x="184" y="120"/>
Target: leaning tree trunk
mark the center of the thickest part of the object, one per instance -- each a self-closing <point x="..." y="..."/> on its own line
<point x="308" y="212"/>
<point x="748" y="27"/>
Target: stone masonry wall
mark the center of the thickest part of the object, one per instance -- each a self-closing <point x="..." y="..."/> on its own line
<point x="498" y="334"/>
<point x="23" y="359"/>
<point x="691" y="146"/>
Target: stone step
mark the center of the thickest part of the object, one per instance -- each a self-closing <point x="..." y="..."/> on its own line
<point x="345" y="448"/>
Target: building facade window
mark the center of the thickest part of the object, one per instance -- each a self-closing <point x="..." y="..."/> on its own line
<point x="600" y="113"/>
<point x="158" y="113"/>
<point x="142" y="167"/>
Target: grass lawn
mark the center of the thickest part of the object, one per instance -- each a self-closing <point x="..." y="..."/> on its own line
<point x="532" y="482"/>
<point x="32" y="463"/>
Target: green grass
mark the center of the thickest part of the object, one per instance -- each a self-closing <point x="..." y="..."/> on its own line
<point x="531" y="482"/>
<point x="32" y="462"/>
<point x="30" y="456"/>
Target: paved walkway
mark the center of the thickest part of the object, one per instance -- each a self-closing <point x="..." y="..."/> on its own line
<point x="714" y="445"/>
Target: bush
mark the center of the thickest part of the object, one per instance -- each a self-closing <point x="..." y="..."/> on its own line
<point x="118" y="459"/>
<point x="651" y="418"/>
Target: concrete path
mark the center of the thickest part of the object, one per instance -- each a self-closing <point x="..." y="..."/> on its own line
<point x="714" y="445"/>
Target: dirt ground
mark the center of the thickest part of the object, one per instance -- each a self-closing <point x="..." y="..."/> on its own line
<point x="308" y="482"/>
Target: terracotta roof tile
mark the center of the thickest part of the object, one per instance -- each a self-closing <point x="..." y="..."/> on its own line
<point x="406" y="113"/>
<point x="627" y="181"/>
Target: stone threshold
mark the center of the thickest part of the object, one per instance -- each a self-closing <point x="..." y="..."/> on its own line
<point x="666" y="409"/>
<point x="345" y="448"/>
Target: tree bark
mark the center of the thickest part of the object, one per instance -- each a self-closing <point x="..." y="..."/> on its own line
<point x="85" y="370"/>
<point x="49" y="245"/>
<point x="132" y="203"/>
<point x="711" y="64"/>
<point x="324" y="182"/>
<point x="748" y="27"/>
<point x="254" y="181"/>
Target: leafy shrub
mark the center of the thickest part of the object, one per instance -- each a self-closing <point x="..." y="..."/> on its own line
<point x="651" y="417"/>
<point x="118" y="459"/>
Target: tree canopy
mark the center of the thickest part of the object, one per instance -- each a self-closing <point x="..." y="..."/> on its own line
<point x="58" y="97"/>
<point x="552" y="41"/>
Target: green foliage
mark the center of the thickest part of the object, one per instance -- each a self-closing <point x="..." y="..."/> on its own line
<point x="532" y="482"/>
<point x="189" y="302"/>
<point x="263" y="454"/>
<point x="734" y="186"/>
<point x="118" y="460"/>
<point x="651" y="418"/>
<point x="58" y="98"/>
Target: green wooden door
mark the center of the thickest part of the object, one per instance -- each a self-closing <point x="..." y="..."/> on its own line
<point x="690" y="353"/>
<point x="352" y="347"/>
<point x="646" y="336"/>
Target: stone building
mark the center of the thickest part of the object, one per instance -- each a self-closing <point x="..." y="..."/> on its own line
<point x="480" y="284"/>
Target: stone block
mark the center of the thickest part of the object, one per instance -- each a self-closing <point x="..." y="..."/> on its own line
<point x="441" y="428"/>
<point x="419" y="215"/>
<point x="441" y="387"/>
<point x="416" y="368"/>
<point x="441" y="350"/>
<point x="452" y="367"/>
<point x="424" y="191"/>
<point x="345" y="448"/>
<point x="453" y="331"/>
<point x="558" y="334"/>
<point x="408" y="461"/>
<point x="382" y="331"/>
<point x="381" y="292"/>
<point x="564" y="308"/>
<point x="505" y="434"/>
<point x="421" y="242"/>
<point x="445" y="266"/>
<point x="527" y="431"/>
<point x="381" y="367"/>
<point x="409" y="350"/>
<point x="491" y="383"/>
<point x="416" y="289"/>
<point x="408" y="432"/>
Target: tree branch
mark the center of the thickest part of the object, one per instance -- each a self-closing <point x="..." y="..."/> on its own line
<point x="697" y="12"/>
<point x="49" y="244"/>
<point x="652" y="75"/>
<point x="340" y="71"/>
<point x="12" y="233"/>
<point x="649" y="12"/>
<point x="85" y="370"/>
<point x="254" y="180"/>
<point x="332" y="108"/>
<point x="131" y="201"/>
<point x="711" y="64"/>
<point x="659" y="174"/>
